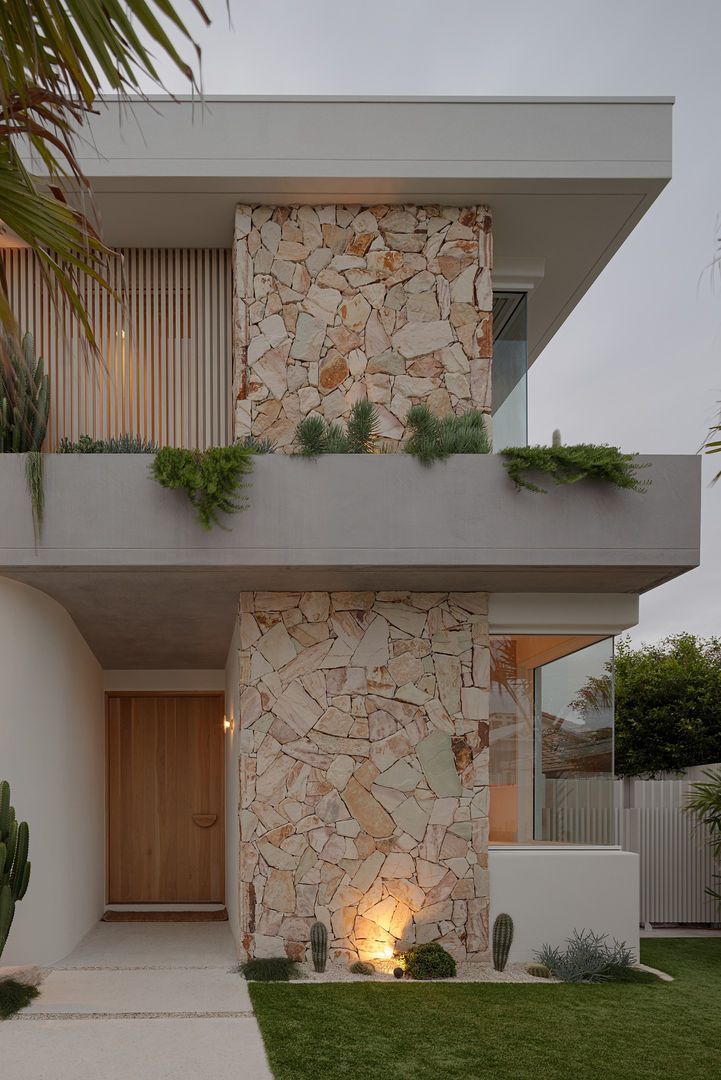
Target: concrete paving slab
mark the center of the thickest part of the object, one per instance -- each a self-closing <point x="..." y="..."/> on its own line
<point x="94" y="992"/>
<point x="144" y="1049"/>
<point x="155" y="945"/>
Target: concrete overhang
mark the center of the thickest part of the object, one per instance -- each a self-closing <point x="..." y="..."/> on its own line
<point x="567" y="178"/>
<point x="149" y="588"/>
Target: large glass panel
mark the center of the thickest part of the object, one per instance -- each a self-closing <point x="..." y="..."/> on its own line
<point x="574" y="747"/>
<point x="509" y="370"/>
<point x="551" y="739"/>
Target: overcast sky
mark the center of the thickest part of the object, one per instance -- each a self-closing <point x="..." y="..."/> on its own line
<point x="637" y="363"/>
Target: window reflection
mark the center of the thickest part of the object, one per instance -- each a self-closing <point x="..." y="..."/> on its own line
<point x="551" y="739"/>
<point x="509" y="370"/>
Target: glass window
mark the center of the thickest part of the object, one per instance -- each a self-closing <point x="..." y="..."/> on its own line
<point x="509" y="370"/>
<point x="551" y="739"/>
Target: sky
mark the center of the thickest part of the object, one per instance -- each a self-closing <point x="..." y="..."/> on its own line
<point x="637" y="364"/>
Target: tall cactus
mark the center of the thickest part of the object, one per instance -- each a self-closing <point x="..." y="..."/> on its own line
<point x="319" y="945"/>
<point x="502" y="938"/>
<point x="24" y="399"/>
<point x="14" y="865"/>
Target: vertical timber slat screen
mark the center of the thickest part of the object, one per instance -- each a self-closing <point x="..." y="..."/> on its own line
<point x="166" y="368"/>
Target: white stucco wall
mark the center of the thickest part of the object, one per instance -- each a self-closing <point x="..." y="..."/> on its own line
<point x="549" y="892"/>
<point x="52" y="750"/>
<point x="232" y="784"/>
<point x="162" y="679"/>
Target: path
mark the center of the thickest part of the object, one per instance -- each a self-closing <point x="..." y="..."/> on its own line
<point x="140" y="1001"/>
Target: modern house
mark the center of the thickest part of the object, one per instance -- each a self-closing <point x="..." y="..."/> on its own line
<point x="382" y="695"/>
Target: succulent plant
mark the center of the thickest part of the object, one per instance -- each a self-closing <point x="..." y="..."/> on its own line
<point x="362" y="967"/>
<point x="14" y="865"/>
<point x="539" y="971"/>
<point x="502" y="938"/>
<point x="319" y="945"/>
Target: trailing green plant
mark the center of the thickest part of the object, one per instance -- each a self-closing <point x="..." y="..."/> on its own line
<point x="24" y="397"/>
<point x="569" y="464"/>
<point x="212" y="479"/>
<point x="362" y="967"/>
<point x="14" y="865"/>
<point x="35" y="483"/>
<point x="270" y="969"/>
<point x="538" y="971"/>
<point x="15" y="996"/>
<point x="429" y="961"/>
<point x="704" y="800"/>
<point x="502" y="940"/>
<point x="587" y="957"/>
<point x="319" y="945"/>
<point x="123" y="444"/>
<point x="314" y="435"/>
<point x="433" y="438"/>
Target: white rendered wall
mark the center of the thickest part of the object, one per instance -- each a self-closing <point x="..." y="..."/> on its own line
<point x="170" y="679"/>
<point x="549" y="892"/>
<point x="232" y="784"/>
<point x="52" y="750"/>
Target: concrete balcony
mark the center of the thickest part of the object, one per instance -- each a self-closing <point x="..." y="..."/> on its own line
<point x="128" y="560"/>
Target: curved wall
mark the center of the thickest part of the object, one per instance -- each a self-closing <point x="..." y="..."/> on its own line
<point x="52" y="750"/>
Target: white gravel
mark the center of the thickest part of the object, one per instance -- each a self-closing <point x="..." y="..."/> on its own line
<point x="337" y="972"/>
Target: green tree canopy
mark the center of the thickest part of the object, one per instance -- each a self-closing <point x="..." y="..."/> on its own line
<point x="668" y="705"/>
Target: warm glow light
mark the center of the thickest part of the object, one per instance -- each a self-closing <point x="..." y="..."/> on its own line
<point x="387" y="953"/>
<point x="227" y="724"/>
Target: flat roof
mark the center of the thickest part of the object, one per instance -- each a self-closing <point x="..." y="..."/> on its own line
<point x="567" y="179"/>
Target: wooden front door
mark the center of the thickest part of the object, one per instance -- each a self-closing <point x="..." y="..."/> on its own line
<point x="165" y="799"/>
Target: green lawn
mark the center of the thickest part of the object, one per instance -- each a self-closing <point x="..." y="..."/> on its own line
<point x="501" y="1031"/>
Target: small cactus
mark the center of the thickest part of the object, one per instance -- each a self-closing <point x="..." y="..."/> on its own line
<point x="502" y="938"/>
<point x="14" y="865"/>
<point x="319" y="945"/>
<point x="556" y="438"/>
<point x="539" y="971"/>
<point x="362" y="967"/>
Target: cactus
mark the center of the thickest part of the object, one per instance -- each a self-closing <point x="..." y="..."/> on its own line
<point x="319" y="945"/>
<point x="362" y="967"/>
<point x="539" y="971"/>
<point x="14" y="865"/>
<point x="502" y="938"/>
<point x="24" y="399"/>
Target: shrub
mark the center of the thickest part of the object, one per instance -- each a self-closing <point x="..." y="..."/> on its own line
<point x="210" y="478"/>
<point x="14" y="996"/>
<point x="270" y="969"/>
<point x="315" y="436"/>
<point x="123" y="444"/>
<point x="569" y="464"/>
<point x="259" y="445"/>
<point x="668" y="704"/>
<point x="24" y="397"/>
<point x="362" y="967"/>
<point x="433" y="438"/>
<point x="430" y="961"/>
<point x="587" y="957"/>
<point x="704" y="800"/>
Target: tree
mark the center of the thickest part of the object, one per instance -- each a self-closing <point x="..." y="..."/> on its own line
<point x="668" y="705"/>
<point x="713" y="444"/>
<point x="55" y="56"/>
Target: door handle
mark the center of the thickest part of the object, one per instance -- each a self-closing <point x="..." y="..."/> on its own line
<point x="205" y="820"/>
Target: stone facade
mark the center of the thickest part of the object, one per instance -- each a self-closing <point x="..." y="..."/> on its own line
<point x="364" y="771"/>
<point x="333" y="304"/>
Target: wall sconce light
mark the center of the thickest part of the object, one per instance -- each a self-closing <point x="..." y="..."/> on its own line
<point x="227" y="724"/>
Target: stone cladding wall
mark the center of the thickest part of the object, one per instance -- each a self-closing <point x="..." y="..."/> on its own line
<point x="364" y="771"/>
<point x="333" y="304"/>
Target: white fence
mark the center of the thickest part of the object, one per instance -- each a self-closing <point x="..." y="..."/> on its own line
<point x="648" y="817"/>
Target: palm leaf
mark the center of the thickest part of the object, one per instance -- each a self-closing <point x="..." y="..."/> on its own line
<point x="55" y="55"/>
